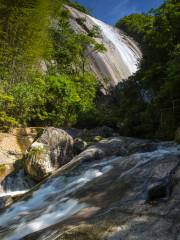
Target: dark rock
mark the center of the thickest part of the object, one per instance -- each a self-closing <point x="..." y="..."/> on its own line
<point x="79" y="145"/>
<point x="157" y="191"/>
<point x="177" y="135"/>
<point x="18" y="180"/>
<point x="90" y="134"/>
<point x="74" y="132"/>
<point x="104" y="132"/>
<point x="138" y="147"/>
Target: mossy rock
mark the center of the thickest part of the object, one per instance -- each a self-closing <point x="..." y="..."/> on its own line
<point x="98" y="138"/>
<point x="49" y="152"/>
<point x="3" y="169"/>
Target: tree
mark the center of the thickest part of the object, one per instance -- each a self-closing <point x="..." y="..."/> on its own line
<point x="67" y="97"/>
<point x="158" y="77"/>
<point x="72" y="49"/>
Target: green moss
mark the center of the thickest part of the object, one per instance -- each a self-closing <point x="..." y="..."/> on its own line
<point x="2" y="169"/>
<point x="98" y="138"/>
<point x="35" y="152"/>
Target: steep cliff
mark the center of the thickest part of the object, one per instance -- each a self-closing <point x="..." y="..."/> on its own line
<point x="122" y="55"/>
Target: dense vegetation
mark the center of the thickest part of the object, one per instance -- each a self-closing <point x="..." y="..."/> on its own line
<point x="42" y="76"/>
<point x="44" y="80"/>
<point x="78" y="6"/>
<point x="148" y="104"/>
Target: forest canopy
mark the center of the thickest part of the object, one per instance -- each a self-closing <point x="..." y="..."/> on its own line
<point x="41" y="58"/>
<point x="148" y="104"/>
<point x="43" y="80"/>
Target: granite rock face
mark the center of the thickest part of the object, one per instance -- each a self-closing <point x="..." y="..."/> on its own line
<point x="122" y="55"/>
<point x="50" y="151"/>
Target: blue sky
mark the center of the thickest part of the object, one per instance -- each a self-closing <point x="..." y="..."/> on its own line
<point x="111" y="10"/>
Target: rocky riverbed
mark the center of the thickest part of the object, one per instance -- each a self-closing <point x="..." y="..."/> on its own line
<point x="117" y="188"/>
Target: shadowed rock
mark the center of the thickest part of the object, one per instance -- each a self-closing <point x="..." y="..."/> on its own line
<point x="177" y="135"/>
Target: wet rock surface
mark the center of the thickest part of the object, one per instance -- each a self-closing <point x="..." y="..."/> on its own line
<point x="17" y="181"/>
<point x="122" y="55"/>
<point x="119" y="189"/>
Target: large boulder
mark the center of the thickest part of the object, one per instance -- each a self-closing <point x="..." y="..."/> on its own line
<point x="177" y="135"/>
<point x="52" y="149"/>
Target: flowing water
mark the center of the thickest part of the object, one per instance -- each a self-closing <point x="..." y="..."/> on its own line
<point x="126" y="52"/>
<point x="49" y="204"/>
<point x="122" y="55"/>
<point x="16" y="183"/>
<point x="53" y="201"/>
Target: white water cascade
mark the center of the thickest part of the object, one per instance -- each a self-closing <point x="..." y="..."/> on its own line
<point x="122" y="55"/>
<point x="50" y="204"/>
<point x="128" y="55"/>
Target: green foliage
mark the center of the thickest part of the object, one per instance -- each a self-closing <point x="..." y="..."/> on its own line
<point x="30" y="100"/>
<point x="6" y="106"/>
<point x="69" y="96"/>
<point x="24" y="37"/>
<point x="72" y="49"/>
<point x="78" y="6"/>
<point x="136" y="25"/>
<point x="36" y="33"/>
<point x="155" y="88"/>
<point x="34" y="153"/>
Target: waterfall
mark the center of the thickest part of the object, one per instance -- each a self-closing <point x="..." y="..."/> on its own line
<point x="122" y="44"/>
<point x="122" y="55"/>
